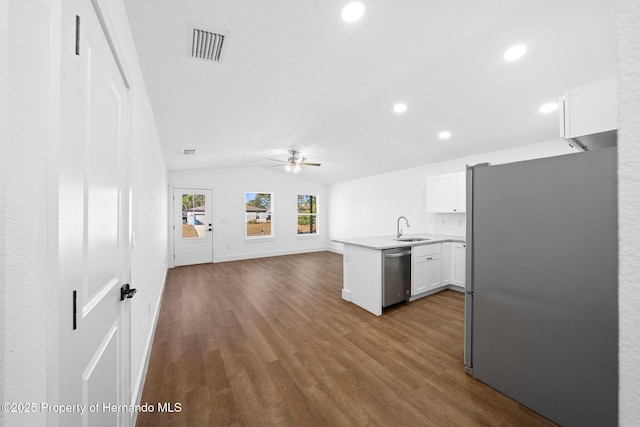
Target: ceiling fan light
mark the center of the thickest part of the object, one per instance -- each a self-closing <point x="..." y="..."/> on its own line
<point x="353" y="11"/>
<point x="296" y="168"/>
<point x="515" y="52"/>
<point x="287" y="167"/>
<point x="400" y="108"/>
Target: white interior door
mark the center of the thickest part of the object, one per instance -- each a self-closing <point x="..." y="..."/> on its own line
<point x="94" y="248"/>
<point x="192" y="226"/>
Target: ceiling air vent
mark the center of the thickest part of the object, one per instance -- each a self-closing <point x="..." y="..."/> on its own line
<point x="189" y="151"/>
<point x="206" y="45"/>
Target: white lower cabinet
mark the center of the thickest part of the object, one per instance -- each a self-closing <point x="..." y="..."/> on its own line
<point x="453" y="265"/>
<point x="458" y="263"/>
<point x="446" y="263"/>
<point x="426" y="271"/>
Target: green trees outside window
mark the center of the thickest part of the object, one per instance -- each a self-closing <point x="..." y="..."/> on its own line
<point x="307" y="214"/>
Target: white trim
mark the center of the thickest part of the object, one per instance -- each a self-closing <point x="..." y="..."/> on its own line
<point x="307" y="236"/>
<point x="102" y="12"/>
<point x="138" y="387"/>
<point x="268" y="254"/>
<point x="335" y="250"/>
<point x="258" y="239"/>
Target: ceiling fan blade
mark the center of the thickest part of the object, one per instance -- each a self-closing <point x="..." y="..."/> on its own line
<point x="282" y="161"/>
<point x="310" y="164"/>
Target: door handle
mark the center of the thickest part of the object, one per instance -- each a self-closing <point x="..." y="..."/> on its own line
<point x="127" y="292"/>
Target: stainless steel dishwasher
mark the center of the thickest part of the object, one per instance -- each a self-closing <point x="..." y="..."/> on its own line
<point x="396" y="275"/>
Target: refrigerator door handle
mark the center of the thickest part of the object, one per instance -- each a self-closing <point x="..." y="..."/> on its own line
<point x="468" y="283"/>
<point x="470" y="192"/>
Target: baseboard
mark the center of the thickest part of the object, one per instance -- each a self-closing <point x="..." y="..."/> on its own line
<point x="435" y="291"/>
<point x="241" y="257"/>
<point x="139" y="388"/>
<point x="346" y="295"/>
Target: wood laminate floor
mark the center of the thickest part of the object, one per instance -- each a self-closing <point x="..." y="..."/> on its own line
<point x="270" y="342"/>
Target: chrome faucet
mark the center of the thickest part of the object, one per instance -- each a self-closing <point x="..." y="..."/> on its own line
<point x="398" y="231"/>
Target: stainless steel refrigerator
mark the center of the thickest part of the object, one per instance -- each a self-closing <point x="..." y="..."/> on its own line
<point x="541" y="302"/>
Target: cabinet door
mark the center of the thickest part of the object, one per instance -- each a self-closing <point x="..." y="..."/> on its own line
<point x="446" y="264"/>
<point x="442" y="193"/>
<point x="462" y="191"/>
<point x="419" y="275"/>
<point x="434" y="271"/>
<point x="591" y="109"/>
<point x="459" y="253"/>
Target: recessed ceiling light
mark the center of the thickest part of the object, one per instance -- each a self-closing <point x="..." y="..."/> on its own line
<point x="549" y="107"/>
<point x="515" y="52"/>
<point x="445" y="134"/>
<point x="353" y="11"/>
<point x="400" y="108"/>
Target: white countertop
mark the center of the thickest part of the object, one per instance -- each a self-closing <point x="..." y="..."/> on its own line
<point x="389" y="242"/>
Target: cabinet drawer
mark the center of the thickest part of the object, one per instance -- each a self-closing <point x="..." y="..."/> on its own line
<point x="426" y="250"/>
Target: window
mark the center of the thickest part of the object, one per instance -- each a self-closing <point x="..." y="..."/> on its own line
<point x="259" y="214"/>
<point x="307" y="215"/>
<point x="193" y="216"/>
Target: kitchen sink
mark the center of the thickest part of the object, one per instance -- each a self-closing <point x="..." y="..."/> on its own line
<point x="411" y="239"/>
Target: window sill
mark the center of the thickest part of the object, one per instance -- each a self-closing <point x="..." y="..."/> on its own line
<point x="306" y="236"/>
<point x="258" y="239"/>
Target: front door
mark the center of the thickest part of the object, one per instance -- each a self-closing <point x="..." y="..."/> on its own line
<point x="192" y="226"/>
<point x="93" y="203"/>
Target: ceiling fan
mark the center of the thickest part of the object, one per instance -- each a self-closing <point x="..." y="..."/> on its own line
<point x="294" y="162"/>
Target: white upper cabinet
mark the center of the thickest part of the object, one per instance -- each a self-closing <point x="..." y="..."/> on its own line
<point x="589" y="109"/>
<point x="446" y="193"/>
<point x="462" y="191"/>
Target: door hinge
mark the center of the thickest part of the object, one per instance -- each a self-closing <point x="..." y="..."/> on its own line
<point x="77" y="34"/>
<point x="75" y="297"/>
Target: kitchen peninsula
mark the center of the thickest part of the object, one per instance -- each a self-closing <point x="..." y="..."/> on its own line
<point x="437" y="263"/>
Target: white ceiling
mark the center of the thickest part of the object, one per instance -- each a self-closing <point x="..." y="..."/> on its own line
<point x="294" y="75"/>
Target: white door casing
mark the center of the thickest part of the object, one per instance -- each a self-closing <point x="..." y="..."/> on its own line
<point x="94" y="220"/>
<point x="192" y="226"/>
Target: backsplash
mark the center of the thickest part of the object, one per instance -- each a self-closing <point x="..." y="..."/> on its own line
<point x="450" y="223"/>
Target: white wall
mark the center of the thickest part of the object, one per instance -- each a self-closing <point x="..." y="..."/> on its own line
<point x="370" y="206"/>
<point x="25" y="28"/>
<point x="229" y="187"/>
<point x="629" y="208"/>
<point x="29" y="128"/>
<point x="4" y="72"/>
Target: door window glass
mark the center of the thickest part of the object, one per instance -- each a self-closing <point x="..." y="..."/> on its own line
<point x="193" y="216"/>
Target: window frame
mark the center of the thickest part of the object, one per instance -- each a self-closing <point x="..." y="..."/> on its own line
<point x="269" y="217"/>
<point x="315" y="215"/>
